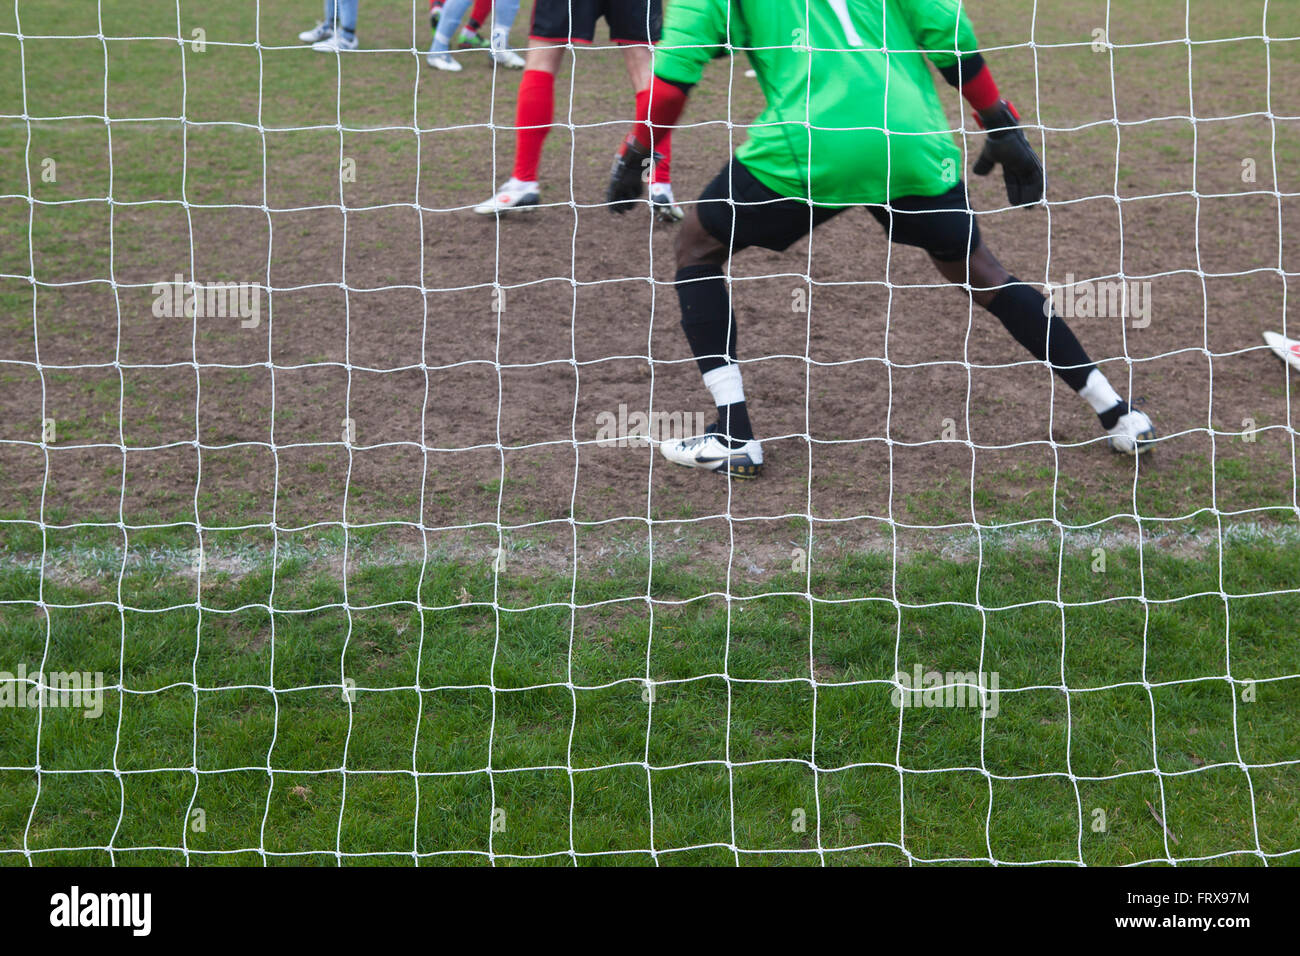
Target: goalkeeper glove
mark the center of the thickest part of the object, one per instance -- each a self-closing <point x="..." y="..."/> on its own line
<point x="1006" y="145"/>
<point x="631" y="171"/>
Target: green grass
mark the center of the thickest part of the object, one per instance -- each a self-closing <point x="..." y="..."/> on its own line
<point x="537" y="706"/>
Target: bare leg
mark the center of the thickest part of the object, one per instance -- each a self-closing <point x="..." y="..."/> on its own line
<point x="987" y="275"/>
<point x="696" y="247"/>
<point x="636" y="57"/>
<point x="545" y="56"/>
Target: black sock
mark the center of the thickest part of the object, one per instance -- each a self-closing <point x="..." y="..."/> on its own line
<point x="707" y="319"/>
<point x="733" y="420"/>
<point x="710" y="327"/>
<point x="472" y="25"/>
<point x="1112" y="415"/>
<point x="1021" y="309"/>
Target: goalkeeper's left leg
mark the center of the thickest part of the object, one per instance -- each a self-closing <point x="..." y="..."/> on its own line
<point x="945" y="227"/>
<point x="1028" y="315"/>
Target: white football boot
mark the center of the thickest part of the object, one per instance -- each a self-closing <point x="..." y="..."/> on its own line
<point x="712" y="453"/>
<point x="335" y="43"/>
<point x="665" y="207"/>
<point x="1288" y="350"/>
<point x="442" y="60"/>
<point x="321" y="31"/>
<point x="501" y="52"/>
<point x="513" y="195"/>
<point x="1133" y="434"/>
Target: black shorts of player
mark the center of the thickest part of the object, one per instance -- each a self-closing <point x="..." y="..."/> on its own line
<point x="942" y="225"/>
<point x="574" y="21"/>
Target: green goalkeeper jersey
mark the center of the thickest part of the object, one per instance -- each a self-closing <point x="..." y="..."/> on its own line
<point x="852" y="114"/>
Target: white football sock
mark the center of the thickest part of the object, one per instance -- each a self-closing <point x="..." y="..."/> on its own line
<point x="725" y="385"/>
<point x="1098" y="393"/>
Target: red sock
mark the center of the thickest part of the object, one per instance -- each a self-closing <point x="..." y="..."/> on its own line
<point x="535" y="110"/>
<point x="663" y="168"/>
<point x="663" y="142"/>
<point x="481" y="10"/>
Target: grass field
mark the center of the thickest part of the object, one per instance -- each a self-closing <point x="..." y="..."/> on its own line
<point x="470" y="634"/>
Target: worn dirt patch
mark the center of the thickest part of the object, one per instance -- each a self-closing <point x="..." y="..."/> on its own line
<point x="469" y="406"/>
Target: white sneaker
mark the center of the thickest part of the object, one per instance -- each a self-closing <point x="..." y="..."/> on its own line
<point x="335" y="43"/>
<point x="665" y="207"/>
<point x="515" y="194"/>
<point x="442" y="60"/>
<point x="710" y="452"/>
<point x="320" y="31"/>
<point x="501" y="52"/>
<point x="1133" y="434"/>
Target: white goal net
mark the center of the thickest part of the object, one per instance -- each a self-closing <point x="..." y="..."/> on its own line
<point x="334" y="528"/>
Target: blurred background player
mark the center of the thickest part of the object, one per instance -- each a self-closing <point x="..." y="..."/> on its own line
<point x="338" y="31"/>
<point x="634" y="25"/>
<point x="830" y="90"/>
<point x="449" y="14"/>
<point x="469" y="35"/>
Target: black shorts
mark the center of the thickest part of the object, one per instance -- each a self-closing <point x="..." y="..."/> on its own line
<point x="942" y="225"/>
<point x="574" y="21"/>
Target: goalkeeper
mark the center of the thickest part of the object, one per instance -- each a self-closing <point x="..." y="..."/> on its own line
<point x="846" y="124"/>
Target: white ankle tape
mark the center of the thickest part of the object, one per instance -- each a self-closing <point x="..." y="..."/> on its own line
<point x="725" y="385"/>
<point x="1098" y="393"/>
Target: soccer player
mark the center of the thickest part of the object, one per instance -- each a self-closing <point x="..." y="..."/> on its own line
<point x="469" y="36"/>
<point x="503" y="18"/>
<point x="338" y="31"/>
<point x="635" y="26"/>
<point x="846" y="124"/>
